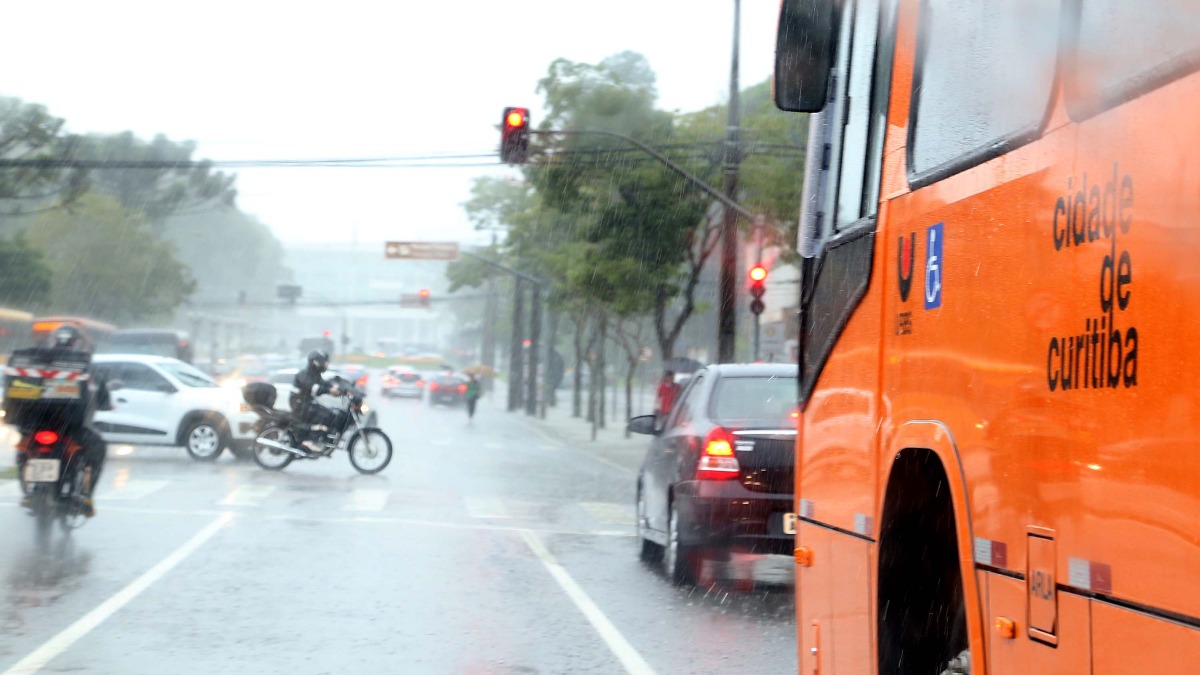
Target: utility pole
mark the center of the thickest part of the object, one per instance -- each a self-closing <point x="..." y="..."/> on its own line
<point x="488" y="357"/>
<point x="535" y="333"/>
<point x="515" y="369"/>
<point x="727" y="318"/>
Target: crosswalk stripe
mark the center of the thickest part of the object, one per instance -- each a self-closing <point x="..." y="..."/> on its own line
<point x="486" y="507"/>
<point x="129" y="490"/>
<point x="367" y="499"/>
<point x="615" y="514"/>
<point x="247" y="495"/>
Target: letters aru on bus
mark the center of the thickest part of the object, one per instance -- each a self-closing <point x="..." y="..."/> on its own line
<point x="1105" y="354"/>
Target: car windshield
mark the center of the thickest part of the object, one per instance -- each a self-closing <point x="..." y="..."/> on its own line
<point x="188" y="375"/>
<point x="754" y="401"/>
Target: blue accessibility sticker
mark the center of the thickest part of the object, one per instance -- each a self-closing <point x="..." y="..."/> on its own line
<point x="933" y="266"/>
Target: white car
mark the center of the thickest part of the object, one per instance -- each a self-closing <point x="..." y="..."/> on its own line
<point x="159" y="400"/>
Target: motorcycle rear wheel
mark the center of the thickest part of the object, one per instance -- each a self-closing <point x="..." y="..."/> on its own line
<point x="370" y="451"/>
<point x="274" y="459"/>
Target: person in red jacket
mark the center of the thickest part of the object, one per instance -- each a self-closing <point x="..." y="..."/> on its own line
<point x="665" y="399"/>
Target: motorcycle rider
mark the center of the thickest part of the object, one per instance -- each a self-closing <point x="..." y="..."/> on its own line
<point x="306" y="387"/>
<point x="66" y="343"/>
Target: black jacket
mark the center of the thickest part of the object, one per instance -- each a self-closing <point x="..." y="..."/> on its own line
<point x="307" y="386"/>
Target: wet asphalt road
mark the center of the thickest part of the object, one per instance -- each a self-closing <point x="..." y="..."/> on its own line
<point x="483" y="548"/>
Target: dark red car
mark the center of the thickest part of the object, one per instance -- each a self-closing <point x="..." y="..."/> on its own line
<point x="719" y="472"/>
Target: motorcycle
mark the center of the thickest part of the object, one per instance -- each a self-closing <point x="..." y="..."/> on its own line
<point x="50" y="469"/>
<point x="278" y="441"/>
<point x="46" y="397"/>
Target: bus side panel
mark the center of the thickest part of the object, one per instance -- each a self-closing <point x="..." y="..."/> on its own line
<point x="852" y="613"/>
<point x="814" y="588"/>
<point x="1006" y="598"/>
<point x="1131" y="642"/>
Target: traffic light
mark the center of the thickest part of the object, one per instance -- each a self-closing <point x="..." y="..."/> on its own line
<point x="758" y="280"/>
<point x="514" y="135"/>
<point x="423" y="297"/>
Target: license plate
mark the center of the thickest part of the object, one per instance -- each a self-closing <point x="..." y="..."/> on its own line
<point x="24" y="391"/>
<point x="41" y="470"/>
<point x="62" y="390"/>
<point x="789" y="523"/>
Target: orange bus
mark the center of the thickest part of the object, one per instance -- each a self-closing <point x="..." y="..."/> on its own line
<point x="998" y="460"/>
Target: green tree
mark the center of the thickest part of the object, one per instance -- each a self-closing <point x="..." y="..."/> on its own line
<point x="24" y="274"/>
<point x="106" y="263"/>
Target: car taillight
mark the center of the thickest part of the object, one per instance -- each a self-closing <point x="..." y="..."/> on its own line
<point x="362" y="382"/>
<point x="717" y="459"/>
<point x="421" y="383"/>
<point x="433" y="386"/>
<point x="46" y="437"/>
<point x="462" y="388"/>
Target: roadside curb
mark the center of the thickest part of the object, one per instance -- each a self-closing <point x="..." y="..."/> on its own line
<point x="622" y="455"/>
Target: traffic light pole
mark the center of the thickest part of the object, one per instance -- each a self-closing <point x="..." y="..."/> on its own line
<point x="727" y="288"/>
<point x="662" y="159"/>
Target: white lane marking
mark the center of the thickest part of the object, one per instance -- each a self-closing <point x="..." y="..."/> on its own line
<point x="486" y="507"/>
<point x="613" y="514"/>
<point x="367" y="499"/>
<point x="620" y="647"/>
<point x="10" y="488"/>
<point x="545" y="446"/>
<point x="440" y="442"/>
<point x="130" y="490"/>
<point x="69" y="636"/>
<point x="247" y="495"/>
<point x="493" y="446"/>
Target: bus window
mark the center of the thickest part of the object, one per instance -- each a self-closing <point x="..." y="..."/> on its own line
<point x="983" y="82"/>
<point x="1158" y="44"/>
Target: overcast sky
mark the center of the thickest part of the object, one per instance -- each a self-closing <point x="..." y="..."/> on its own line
<point x="252" y="79"/>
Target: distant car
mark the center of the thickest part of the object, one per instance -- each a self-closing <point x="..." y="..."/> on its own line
<point x="447" y="389"/>
<point x="355" y="373"/>
<point x="403" y="381"/>
<point x="719" y="471"/>
<point x="163" y="401"/>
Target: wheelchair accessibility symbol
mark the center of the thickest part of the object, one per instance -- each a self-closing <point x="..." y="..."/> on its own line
<point x="933" y="266"/>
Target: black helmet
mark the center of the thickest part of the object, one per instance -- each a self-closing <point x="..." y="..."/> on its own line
<point x="318" y="359"/>
<point x="67" y="336"/>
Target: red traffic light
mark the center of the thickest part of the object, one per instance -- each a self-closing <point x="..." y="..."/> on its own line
<point x="514" y="135"/>
<point x="758" y="273"/>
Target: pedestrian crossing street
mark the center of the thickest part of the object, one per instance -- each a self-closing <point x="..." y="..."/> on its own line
<point x="125" y="491"/>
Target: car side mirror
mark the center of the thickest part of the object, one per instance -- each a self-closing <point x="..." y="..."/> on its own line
<point x="643" y="424"/>
<point x="805" y="48"/>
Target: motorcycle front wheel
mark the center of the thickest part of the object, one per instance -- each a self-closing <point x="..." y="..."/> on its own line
<point x="370" y="451"/>
<point x="273" y="459"/>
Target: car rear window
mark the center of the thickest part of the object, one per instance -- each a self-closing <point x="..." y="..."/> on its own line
<point x="754" y="402"/>
<point x="409" y="377"/>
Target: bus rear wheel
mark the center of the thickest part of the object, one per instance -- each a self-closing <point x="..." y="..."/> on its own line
<point x="922" y="619"/>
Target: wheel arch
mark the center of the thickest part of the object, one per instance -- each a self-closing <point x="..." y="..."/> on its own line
<point x="192" y="416"/>
<point x="921" y="454"/>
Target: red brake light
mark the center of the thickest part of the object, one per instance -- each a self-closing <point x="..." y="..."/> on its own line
<point x="421" y="383"/>
<point x="717" y="458"/>
<point x="462" y="388"/>
<point x="432" y="386"/>
<point x="46" y="437"/>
